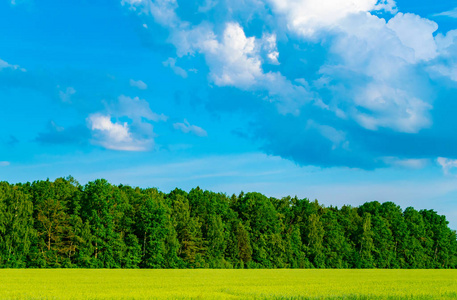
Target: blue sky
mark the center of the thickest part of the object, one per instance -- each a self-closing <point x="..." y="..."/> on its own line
<point x="343" y="101"/>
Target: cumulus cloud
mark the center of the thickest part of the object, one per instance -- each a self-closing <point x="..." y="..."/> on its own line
<point x="138" y="84"/>
<point x="365" y="44"/>
<point x="188" y="128"/>
<point x="271" y="48"/>
<point x="344" y="80"/>
<point x="136" y="134"/>
<point x="416" y="33"/>
<point x="114" y="135"/>
<point x="390" y="107"/>
<point x="234" y="59"/>
<point x="373" y="73"/>
<point x="306" y="17"/>
<point x="446" y="65"/>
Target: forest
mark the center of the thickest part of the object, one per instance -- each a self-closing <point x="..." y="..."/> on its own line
<point x="63" y="224"/>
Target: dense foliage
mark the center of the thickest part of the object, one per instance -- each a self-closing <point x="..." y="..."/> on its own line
<point x="48" y="224"/>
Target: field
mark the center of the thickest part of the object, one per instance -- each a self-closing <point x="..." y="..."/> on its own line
<point x="227" y="284"/>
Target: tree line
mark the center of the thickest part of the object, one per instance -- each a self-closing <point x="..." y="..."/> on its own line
<point x="62" y="224"/>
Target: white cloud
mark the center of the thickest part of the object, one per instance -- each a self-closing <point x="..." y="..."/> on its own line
<point x="390" y="108"/>
<point x="386" y="5"/>
<point x="375" y="73"/>
<point x="444" y="42"/>
<point x="4" y="163"/>
<point x="189" y="40"/>
<point x="115" y="136"/>
<point x="373" y="56"/>
<point x="447" y="164"/>
<point x="188" y="128"/>
<point x="138" y="84"/>
<point x="447" y="48"/>
<point x="369" y="67"/>
<point x="135" y="134"/>
<point x="233" y="58"/>
<point x="416" y="33"/>
<point x="235" y="61"/>
<point x="269" y="45"/>
<point x="306" y="17"/>
<point x="65" y="96"/>
<point x="171" y="62"/>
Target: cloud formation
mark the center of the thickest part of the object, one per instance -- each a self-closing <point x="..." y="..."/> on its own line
<point x="233" y="58"/>
<point x="134" y="134"/>
<point x="307" y="17"/>
<point x="115" y="135"/>
<point x="344" y="77"/>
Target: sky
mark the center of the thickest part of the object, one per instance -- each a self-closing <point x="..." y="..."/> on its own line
<point x="341" y="101"/>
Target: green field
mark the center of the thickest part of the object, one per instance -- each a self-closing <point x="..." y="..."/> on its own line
<point x="227" y="284"/>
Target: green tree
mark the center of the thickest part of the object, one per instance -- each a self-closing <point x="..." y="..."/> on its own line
<point x="366" y="242"/>
<point x="315" y="241"/>
<point x="16" y="226"/>
<point x="188" y="231"/>
<point x="56" y="238"/>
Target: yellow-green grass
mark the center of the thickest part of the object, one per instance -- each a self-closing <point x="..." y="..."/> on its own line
<point x="227" y="284"/>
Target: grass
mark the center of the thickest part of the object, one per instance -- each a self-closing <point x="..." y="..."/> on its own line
<point x="227" y="284"/>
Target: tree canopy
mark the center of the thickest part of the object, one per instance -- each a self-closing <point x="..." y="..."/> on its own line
<point x="62" y="224"/>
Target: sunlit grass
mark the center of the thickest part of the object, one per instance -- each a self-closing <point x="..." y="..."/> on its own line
<point x="228" y="284"/>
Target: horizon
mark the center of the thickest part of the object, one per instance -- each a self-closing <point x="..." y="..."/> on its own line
<point x="341" y="102"/>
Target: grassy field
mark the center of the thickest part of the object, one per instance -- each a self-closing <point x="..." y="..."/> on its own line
<point x="228" y="284"/>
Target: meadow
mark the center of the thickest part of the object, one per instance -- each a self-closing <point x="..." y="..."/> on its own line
<point x="227" y="284"/>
